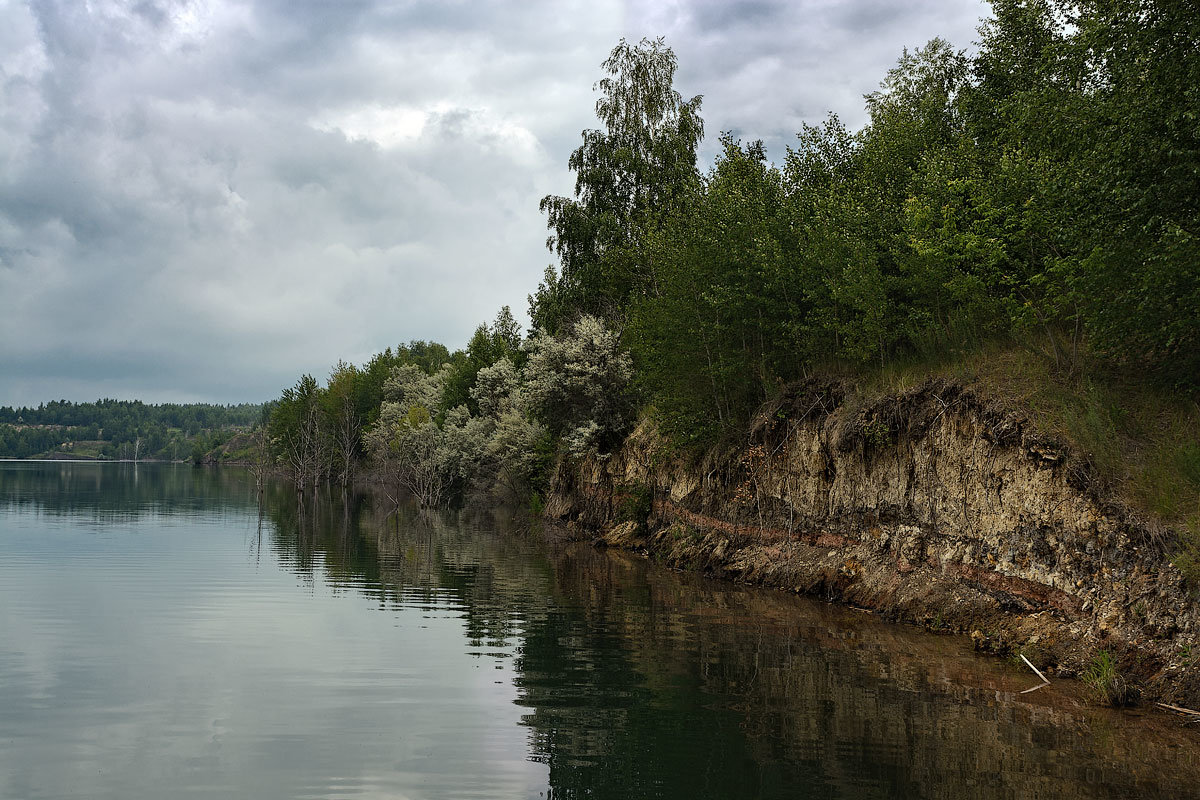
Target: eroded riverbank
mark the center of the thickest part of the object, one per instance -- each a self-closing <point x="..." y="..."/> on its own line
<point x="930" y="506"/>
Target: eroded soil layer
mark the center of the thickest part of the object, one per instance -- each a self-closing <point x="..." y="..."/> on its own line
<point x="930" y="506"/>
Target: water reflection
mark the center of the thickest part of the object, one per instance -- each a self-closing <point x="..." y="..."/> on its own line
<point x="117" y="492"/>
<point x="770" y="693"/>
<point x="642" y="682"/>
<point x="333" y="647"/>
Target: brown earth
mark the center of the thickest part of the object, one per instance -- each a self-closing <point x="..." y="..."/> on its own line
<point x="931" y="506"/>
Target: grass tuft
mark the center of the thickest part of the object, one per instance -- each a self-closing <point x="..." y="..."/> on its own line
<point x="1107" y="683"/>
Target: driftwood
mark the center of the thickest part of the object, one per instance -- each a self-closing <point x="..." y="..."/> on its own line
<point x="1045" y="681"/>
<point x="1193" y="716"/>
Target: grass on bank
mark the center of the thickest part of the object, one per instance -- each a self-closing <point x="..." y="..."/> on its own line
<point x="1107" y="683"/>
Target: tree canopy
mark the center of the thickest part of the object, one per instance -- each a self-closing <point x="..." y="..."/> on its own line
<point x="628" y="175"/>
<point x="1044" y="191"/>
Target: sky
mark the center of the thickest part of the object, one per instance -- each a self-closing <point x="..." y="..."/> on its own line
<point x="201" y="200"/>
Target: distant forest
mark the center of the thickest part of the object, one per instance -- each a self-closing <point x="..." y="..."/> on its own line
<point x="121" y="429"/>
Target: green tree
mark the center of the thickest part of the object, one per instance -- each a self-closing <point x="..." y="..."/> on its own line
<point x="488" y="345"/>
<point x="626" y="175"/>
<point x="299" y="436"/>
<point x="711" y="342"/>
<point x="345" y="416"/>
<point x="1139" y="171"/>
<point x="1084" y="116"/>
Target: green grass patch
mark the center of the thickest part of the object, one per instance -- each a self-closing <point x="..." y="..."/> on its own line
<point x="1106" y="683"/>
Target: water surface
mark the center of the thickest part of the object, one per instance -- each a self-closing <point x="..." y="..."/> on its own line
<point x="162" y="636"/>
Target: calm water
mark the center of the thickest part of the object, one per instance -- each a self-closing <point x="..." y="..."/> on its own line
<point x="161" y="638"/>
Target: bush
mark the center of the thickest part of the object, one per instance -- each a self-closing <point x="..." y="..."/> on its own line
<point x="578" y="385"/>
<point x="636" y="503"/>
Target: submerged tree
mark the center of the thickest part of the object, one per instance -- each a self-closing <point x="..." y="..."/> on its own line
<point x="298" y="435"/>
<point x="341" y="400"/>
<point x="432" y="459"/>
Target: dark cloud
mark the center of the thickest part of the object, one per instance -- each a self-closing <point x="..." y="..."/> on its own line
<point x="720" y="18"/>
<point x="765" y="68"/>
<point x="202" y="199"/>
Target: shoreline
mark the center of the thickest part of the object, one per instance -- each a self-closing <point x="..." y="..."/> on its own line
<point x="961" y="519"/>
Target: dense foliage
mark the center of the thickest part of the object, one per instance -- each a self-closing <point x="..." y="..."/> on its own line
<point x="482" y="419"/>
<point x="1044" y="191"/>
<point x="120" y="428"/>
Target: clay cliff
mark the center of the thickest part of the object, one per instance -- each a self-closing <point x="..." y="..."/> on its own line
<point x="930" y="506"/>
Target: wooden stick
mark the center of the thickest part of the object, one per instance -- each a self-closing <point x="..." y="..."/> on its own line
<point x="1180" y="709"/>
<point x="1034" y="688"/>
<point x="1035" y="669"/>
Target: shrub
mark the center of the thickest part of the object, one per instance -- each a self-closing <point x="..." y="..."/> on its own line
<point x="636" y="504"/>
<point x="577" y="385"/>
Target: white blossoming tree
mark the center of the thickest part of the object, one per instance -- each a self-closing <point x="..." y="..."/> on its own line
<point x="577" y="384"/>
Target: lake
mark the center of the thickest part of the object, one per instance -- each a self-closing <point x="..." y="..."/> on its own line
<point x="163" y="635"/>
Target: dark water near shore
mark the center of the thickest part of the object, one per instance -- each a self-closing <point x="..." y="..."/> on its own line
<point x="161" y="638"/>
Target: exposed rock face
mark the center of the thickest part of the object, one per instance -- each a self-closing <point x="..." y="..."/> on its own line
<point x="930" y="506"/>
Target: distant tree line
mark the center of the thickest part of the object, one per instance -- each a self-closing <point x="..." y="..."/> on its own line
<point x="1045" y="190"/>
<point x="122" y="428"/>
<point x="436" y="425"/>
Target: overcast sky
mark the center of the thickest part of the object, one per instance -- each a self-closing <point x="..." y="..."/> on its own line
<point x="200" y="201"/>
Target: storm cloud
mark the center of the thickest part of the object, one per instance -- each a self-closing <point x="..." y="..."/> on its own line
<point x="199" y="201"/>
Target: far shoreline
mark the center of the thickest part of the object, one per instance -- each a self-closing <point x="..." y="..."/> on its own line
<point x="90" y="460"/>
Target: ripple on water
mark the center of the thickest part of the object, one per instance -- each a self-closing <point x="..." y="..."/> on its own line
<point x="169" y="639"/>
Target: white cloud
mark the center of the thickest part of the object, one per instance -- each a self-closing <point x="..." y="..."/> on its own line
<point x="386" y="127"/>
<point x="206" y="199"/>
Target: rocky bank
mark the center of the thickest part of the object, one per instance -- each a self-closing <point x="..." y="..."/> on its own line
<point x="930" y="506"/>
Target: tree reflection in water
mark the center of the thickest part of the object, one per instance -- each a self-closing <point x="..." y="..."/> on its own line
<point x="640" y="682"/>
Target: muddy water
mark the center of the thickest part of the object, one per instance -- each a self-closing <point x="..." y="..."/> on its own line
<point x="162" y="637"/>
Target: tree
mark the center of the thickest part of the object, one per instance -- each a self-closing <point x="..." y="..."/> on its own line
<point x="488" y="345"/>
<point x="577" y="385"/>
<point x="407" y="445"/>
<point x="1139" y="276"/>
<point x="432" y="460"/>
<point x="626" y="175"/>
<point x="1084" y="113"/>
<point x="710" y="344"/>
<point x="344" y="419"/>
<point x="298" y="435"/>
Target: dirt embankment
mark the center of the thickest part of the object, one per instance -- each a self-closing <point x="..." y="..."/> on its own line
<point x="930" y="506"/>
